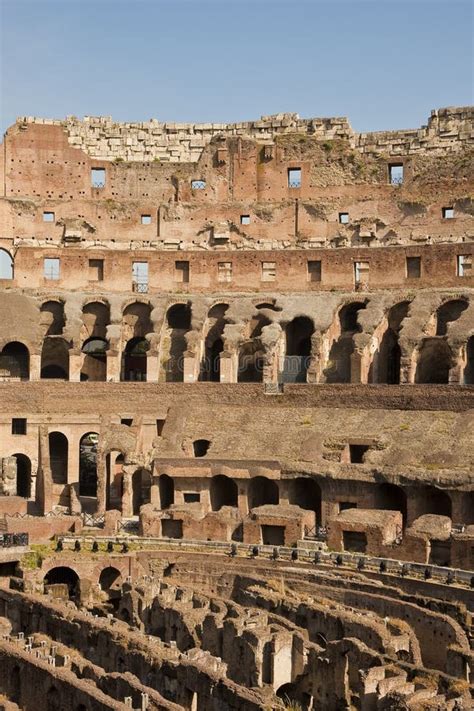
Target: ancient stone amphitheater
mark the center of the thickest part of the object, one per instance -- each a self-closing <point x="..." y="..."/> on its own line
<point x="236" y="415"/>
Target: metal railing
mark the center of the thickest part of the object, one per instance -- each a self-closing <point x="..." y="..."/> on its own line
<point x="13" y="540"/>
<point x="316" y="533"/>
<point x="93" y="520"/>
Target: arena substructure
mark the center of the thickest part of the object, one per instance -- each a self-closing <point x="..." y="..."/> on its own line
<point x="237" y="415"/>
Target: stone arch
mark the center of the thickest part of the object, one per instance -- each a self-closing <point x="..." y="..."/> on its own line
<point x="134" y="359"/>
<point x="178" y="323"/>
<point x="338" y="369"/>
<point x="262" y="491"/>
<point x="306" y="493"/>
<point x="390" y="497"/>
<point x="389" y="352"/>
<point x="23" y="475"/>
<point x="468" y="376"/>
<point x="449" y="311"/>
<point x="52" y="317"/>
<point x="166" y="487"/>
<point x="136" y="320"/>
<point x="214" y="343"/>
<point x="434" y="361"/>
<point x="293" y="698"/>
<point x="251" y="353"/>
<point x="432" y="500"/>
<point x="88" y="464"/>
<point x="298" y="333"/>
<point x="94" y="365"/>
<point x="141" y="486"/>
<point x="224" y="492"/>
<point x="58" y="457"/>
<point x="109" y="577"/>
<point x="55" y="359"/>
<point x="15" y="360"/>
<point x="63" y="575"/>
<point x="6" y="265"/>
<point x="114" y="460"/>
<point x="95" y="319"/>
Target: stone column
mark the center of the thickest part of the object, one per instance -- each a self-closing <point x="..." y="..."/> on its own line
<point x="243" y="500"/>
<point x="101" y="482"/>
<point x="190" y="367"/>
<point x="127" y="504"/>
<point x="35" y="366"/>
<point x="152" y="367"/>
<point x="113" y="366"/>
<point x="76" y="359"/>
<point x="356" y="367"/>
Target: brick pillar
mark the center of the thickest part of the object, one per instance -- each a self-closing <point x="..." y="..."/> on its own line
<point x="35" y="366"/>
<point x="76" y="359"/>
<point x="152" y="367"/>
<point x="113" y="366"/>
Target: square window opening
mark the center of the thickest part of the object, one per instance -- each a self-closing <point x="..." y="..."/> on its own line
<point x="395" y="173"/>
<point x="344" y="218"/>
<point x="19" y="425"/>
<point x="268" y="271"/>
<point x="314" y="270"/>
<point x="128" y="421"/>
<point x="198" y="184"/>
<point x="413" y="267"/>
<point x="48" y="216"/>
<point x="98" y="177"/>
<point x="146" y="219"/>
<point x="140" y="277"/>
<point x="357" y="453"/>
<point x="191" y="497"/>
<point x="182" y="272"/>
<point x="294" y="177"/>
<point x="224" y="271"/>
<point x="448" y="213"/>
<point x="245" y="219"/>
<point x="96" y="269"/>
<point x="51" y="268"/>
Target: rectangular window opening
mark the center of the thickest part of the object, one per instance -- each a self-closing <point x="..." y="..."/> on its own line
<point x="48" y="216"/>
<point x="413" y="267"/>
<point x="357" y="453"/>
<point x="128" y="421"/>
<point x="354" y="541"/>
<point x="159" y="427"/>
<point x="224" y="271"/>
<point x="19" y="426"/>
<point x="448" y="213"/>
<point x="191" y="497"/>
<point x="268" y="271"/>
<point x="294" y="177"/>
<point x="345" y="505"/>
<point x="314" y="270"/>
<point x="51" y="268"/>
<point x="182" y="272"/>
<point x="245" y="219"/>
<point x="361" y="272"/>
<point x="96" y="269"/>
<point x="464" y="263"/>
<point x="395" y="173"/>
<point x="198" y="184"/>
<point x="146" y="219"/>
<point x="98" y="177"/>
<point x="140" y="277"/>
<point x="344" y="218"/>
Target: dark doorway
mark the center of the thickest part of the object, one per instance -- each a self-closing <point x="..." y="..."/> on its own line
<point x="23" y="476"/>
<point x="224" y="492"/>
<point x="135" y="359"/>
<point x="88" y="464"/>
<point x="15" y="360"/>
<point x="58" y="457"/>
<point x="262" y="491"/>
<point x="354" y="541"/>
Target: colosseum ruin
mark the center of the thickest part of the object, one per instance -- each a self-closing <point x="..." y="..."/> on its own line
<point x="237" y="415"/>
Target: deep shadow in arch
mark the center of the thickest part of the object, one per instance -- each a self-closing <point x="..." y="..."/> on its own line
<point x="390" y="497"/>
<point x="338" y="369"/>
<point x="63" y="575"/>
<point x="135" y="359"/>
<point x="434" y="362"/>
<point x="388" y="357"/>
<point x="88" y="464"/>
<point x="214" y="344"/>
<point x="55" y="359"/>
<point x="166" y="486"/>
<point x="306" y="493"/>
<point x="94" y="366"/>
<point x="469" y="368"/>
<point x="224" y="492"/>
<point x="23" y="475"/>
<point x="447" y="312"/>
<point x="15" y="360"/>
<point x="262" y="491"/>
<point x="58" y="456"/>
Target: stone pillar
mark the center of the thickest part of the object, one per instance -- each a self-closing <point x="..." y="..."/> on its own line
<point x="155" y="493"/>
<point x="101" y="482"/>
<point x="190" y="367"/>
<point x="228" y="367"/>
<point x="283" y="488"/>
<point x="243" y="499"/>
<point x="127" y="504"/>
<point x="8" y="485"/>
<point x="113" y="366"/>
<point x="35" y="366"/>
<point x="76" y="359"/>
<point x="356" y="367"/>
<point x="152" y="367"/>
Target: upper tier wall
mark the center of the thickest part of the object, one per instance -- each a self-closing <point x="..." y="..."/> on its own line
<point x="448" y="129"/>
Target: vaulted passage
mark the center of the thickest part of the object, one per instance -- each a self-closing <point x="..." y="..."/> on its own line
<point x="94" y="365"/>
<point x="213" y="343"/>
<point x="23" y="475"/>
<point x="298" y="349"/>
<point x="434" y="501"/>
<point x="55" y="359"/>
<point x="469" y="368"/>
<point x="178" y="324"/>
<point x="134" y="362"/>
<point x="15" y="361"/>
<point x="385" y="367"/>
<point x="141" y="485"/>
<point x="58" y="457"/>
<point x="224" y="492"/>
<point x="434" y="362"/>
<point x="262" y="491"/>
<point x="338" y="369"/>
<point x="166" y="487"/>
<point x="62" y="575"/>
<point x="306" y="493"/>
<point x="52" y="318"/>
<point x="447" y="312"/>
<point x="88" y="464"/>
<point x="251" y="352"/>
<point x="391" y="497"/>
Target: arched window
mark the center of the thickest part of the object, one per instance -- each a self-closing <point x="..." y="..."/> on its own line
<point x="88" y="464"/>
<point x="94" y="366"/>
<point x="15" y="361"/>
<point x="58" y="457"/>
<point x="134" y="359"/>
<point x="6" y="265"/>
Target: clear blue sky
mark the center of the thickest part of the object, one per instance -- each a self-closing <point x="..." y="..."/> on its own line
<point x="383" y="63"/>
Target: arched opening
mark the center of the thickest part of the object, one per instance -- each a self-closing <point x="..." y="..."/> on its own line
<point x="434" y="501"/>
<point x="63" y="575"/>
<point x="434" y="362"/>
<point x="6" y="265"/>
<point x="23" y="476"/>
<point x="88" y="464"/>
<point x="178" y="320"/>
<point x="95" y="319"/>
<point x="114" y="480"/>
<point x="390" y="497"/>
<point x="58" y="457"/>
<point x="338" y="369"/>
<point x="298" y="349"/>
<point x="306" y="493"/>
<point x="385" y="367"/>
<point x="55" y="359"/>
<point x="214" y="344"/>
<point x="251" y="360"/>
<point x="469" y="368"/>
<point x="134" y="359"/>
<point x="293" y="698"/>
<point x="15" y="361"/>
<point x="200" y="447"/>
<point x="447" y="312"/>
<point x="53" y="700"/>
<point x="110" y="579"/>
<point x="262" y="491"/>
<point x="224" y="492"/>
<point x="94" y="365"/>
<point x="166" y="487"/>
<point x="52" y="318"/>
<point x="141" y="485"/>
